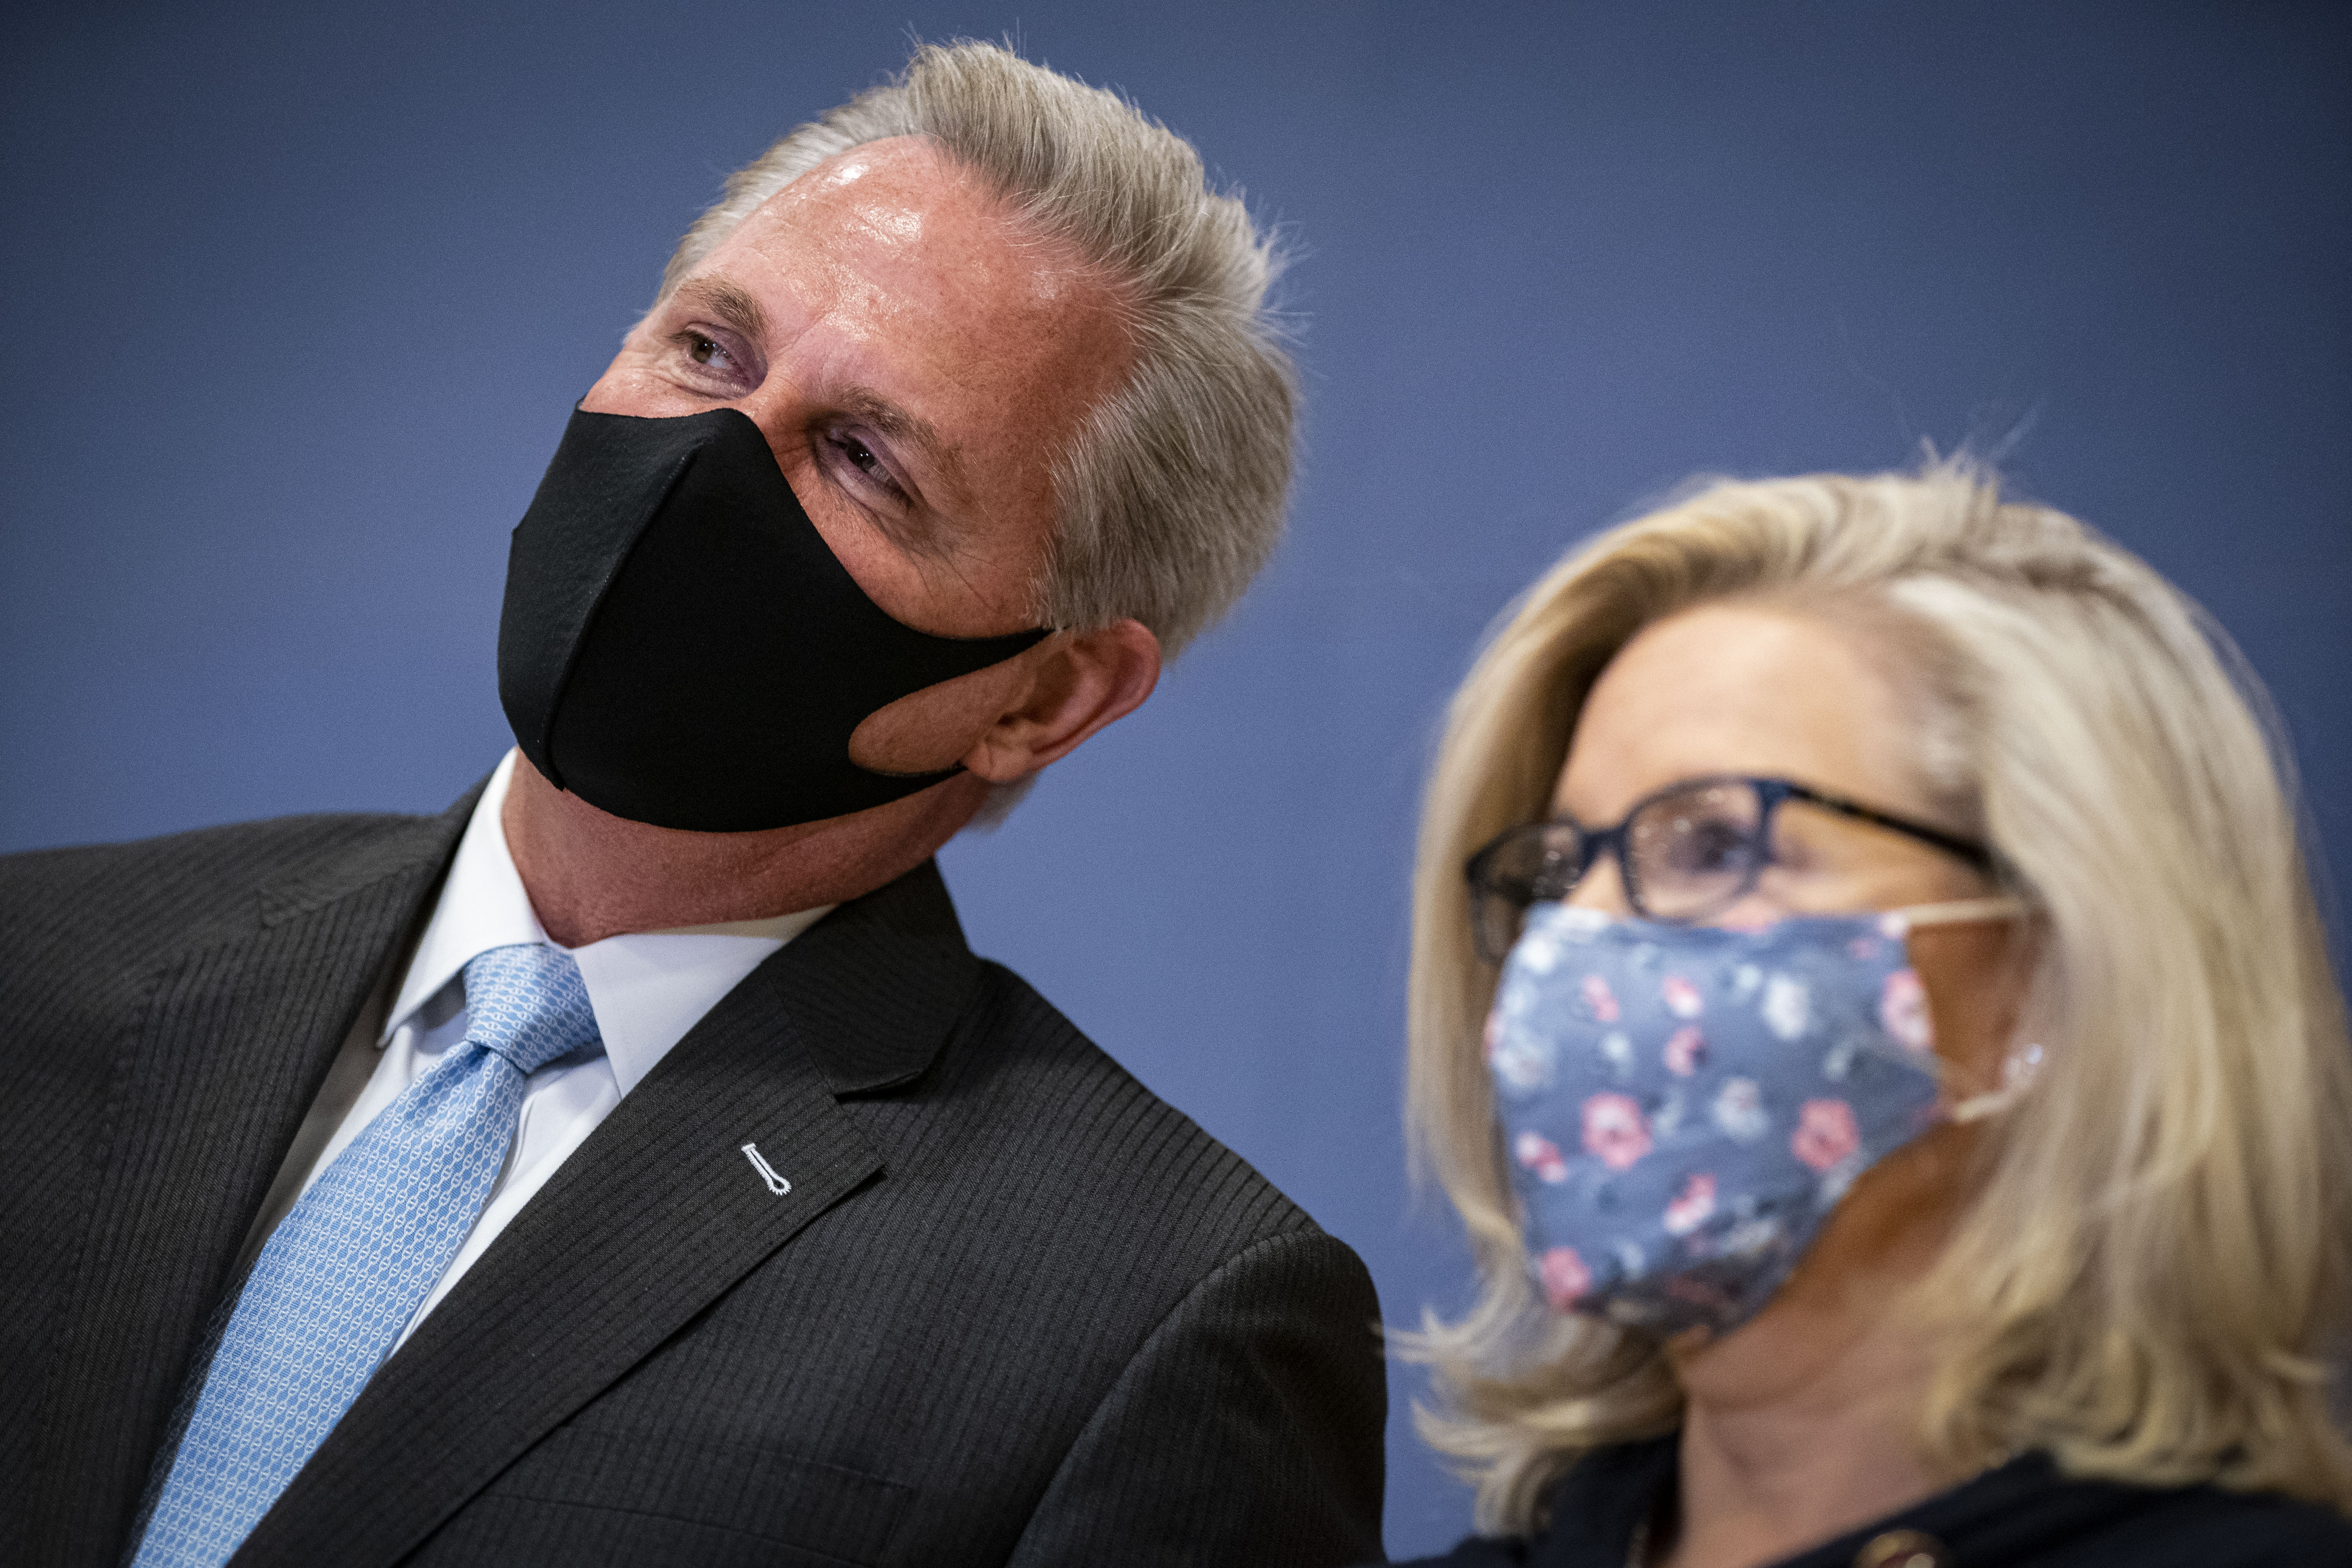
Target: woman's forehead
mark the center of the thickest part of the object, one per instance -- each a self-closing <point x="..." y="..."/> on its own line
<point x="1741" y="689"/>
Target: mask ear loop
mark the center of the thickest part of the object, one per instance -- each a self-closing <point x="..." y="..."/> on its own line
<point x="2019" y="1068"/>
<point x="2017" y="1071"/>
<point x="1958" y="911"/>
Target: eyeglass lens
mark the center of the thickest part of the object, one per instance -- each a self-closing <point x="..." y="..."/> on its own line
<point x="1685" y="855"/>
<point x="1530" y="865"/>
<point x="1692" y="853"/>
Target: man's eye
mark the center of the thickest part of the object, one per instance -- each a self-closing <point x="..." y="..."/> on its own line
<point x="861" y="457"/>
<point x="704" y="350"/>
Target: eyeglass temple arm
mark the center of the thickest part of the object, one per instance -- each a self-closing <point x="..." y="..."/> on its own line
<point x="1968" y="849"/>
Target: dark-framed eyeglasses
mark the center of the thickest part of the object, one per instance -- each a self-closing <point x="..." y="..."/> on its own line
<point x="1686" y="853"/>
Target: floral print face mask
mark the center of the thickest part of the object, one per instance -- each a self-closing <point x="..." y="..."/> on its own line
<point x="1682" y="1106"/>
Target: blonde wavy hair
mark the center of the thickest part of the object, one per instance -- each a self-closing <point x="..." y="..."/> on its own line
<point x="2151" y="1273"/>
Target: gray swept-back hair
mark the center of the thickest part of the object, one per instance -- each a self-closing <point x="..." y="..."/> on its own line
<point x="1171" y="495"/>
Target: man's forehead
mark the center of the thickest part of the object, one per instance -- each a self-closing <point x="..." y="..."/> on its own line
<point x="905" y="209"/>
<point x="901" y="196"/>
<point x="885" y="180"/>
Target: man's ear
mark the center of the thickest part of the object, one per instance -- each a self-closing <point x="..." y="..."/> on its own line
<point x="1078" y="682"/>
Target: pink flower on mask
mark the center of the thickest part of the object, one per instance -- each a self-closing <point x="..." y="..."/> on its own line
<point x="1902" y="1009"/>
<point x="1682" y="998"/>
<point x="1565" y="1277"/>
<point x="1693" y="1206"/>
<point x="1541" y="1155"/>
<point x="1825" y="1134"/>
<point x="1600" y="998"/>
<point x="1685" y="1051"/>
<point x="1614" y="1131"/>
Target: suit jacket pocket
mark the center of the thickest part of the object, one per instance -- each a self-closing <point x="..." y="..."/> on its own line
<point x="652" y="1497"/>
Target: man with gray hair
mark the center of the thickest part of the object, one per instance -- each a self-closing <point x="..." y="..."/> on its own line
<point x="635" y="1164"/>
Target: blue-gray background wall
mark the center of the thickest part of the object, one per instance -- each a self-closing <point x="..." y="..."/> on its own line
<point x="296" y="298"/>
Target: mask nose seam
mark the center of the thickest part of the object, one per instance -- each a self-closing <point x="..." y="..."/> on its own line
<point x="595" y="606"/>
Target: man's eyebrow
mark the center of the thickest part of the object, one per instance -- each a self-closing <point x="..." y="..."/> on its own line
<point x="734" y="306"/>
<point x="901" y="424"/>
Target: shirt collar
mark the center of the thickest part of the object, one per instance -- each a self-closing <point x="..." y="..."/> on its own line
<point x="648" y="988"/>
<point x="482" y="906"/>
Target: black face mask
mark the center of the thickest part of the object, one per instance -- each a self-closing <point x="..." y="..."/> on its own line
<point x="679" y="646"/>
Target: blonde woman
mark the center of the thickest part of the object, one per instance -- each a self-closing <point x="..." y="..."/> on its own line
<point x="1883" y="1051"/>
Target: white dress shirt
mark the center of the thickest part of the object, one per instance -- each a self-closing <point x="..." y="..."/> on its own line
<point x="647" y="989"/>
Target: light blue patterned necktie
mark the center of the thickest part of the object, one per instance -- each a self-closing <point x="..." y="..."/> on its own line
<point x="355" y="1258"/>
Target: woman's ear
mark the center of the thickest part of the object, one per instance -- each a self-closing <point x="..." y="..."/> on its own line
<point x="1076" y="683"/>
<point x="1976" y="974"/>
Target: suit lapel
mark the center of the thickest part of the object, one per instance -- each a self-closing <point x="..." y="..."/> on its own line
<point x="658" y="1213"/>
<point x="226" y="1045"/>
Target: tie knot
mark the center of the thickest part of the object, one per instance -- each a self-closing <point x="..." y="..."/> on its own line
<point x="528" y="1003"/>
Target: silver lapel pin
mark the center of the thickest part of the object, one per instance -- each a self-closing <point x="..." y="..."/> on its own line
<point x="776" y="1183"/>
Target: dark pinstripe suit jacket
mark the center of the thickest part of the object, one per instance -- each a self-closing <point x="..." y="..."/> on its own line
<point x="1013" y="1309"/>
